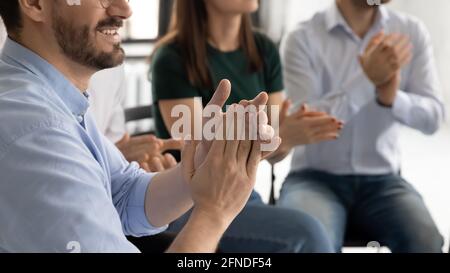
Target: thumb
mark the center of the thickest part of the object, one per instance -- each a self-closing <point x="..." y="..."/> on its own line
<point x="220" y="97"/>
<point x="361" y="60"/>
<point x="285" y="107"/>
<point x="303" y="110"/>
<point x="125" y="139"/>
<point x="374" y="42"/>
<point x="222" y="94"/>
<point x="188" y="158"/>
<point x="172" y="144"/>
<point x="378" y="37"/>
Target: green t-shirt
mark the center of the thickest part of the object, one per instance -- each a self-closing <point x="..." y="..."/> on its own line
<point x="170" y="80"/>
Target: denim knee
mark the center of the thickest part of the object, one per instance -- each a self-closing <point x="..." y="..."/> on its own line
<point x="309" y="236"/>
<point x="426" y="241"/>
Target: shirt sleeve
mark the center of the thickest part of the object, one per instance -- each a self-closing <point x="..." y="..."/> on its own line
<point x="420" y="105"/>
<point x="54" y="198"/>
<point x="302" y="81"/>
<point x="129" y="185"/>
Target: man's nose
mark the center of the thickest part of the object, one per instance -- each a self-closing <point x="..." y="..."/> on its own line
<point x="120" y="8"/>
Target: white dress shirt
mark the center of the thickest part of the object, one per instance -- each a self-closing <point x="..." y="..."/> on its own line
<point x="2" y="34"/>
<point x="321" y="68"/>
<point x="107" y="94"/>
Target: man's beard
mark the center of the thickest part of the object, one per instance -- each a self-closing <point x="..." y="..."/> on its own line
<point x="76" y="44"/>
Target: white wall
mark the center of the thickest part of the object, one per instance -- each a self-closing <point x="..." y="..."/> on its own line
<point x="281" y="16"/>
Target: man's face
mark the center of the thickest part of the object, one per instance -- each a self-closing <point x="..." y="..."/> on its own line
<point x="88" y="33"/>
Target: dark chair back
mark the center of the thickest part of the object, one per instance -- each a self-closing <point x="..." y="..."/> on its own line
<point x="138" y="113"/>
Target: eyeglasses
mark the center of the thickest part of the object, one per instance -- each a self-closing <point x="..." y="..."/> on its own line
<point x="107" y="3"/>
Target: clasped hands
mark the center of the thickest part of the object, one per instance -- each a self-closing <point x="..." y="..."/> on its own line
<point x="382" y="62"/>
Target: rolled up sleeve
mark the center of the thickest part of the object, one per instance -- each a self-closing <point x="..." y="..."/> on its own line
<point x="53" y="197"/>
<point x="129" y="185"/>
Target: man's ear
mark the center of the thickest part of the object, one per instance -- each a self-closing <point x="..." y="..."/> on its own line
<point x="34" y="9"/>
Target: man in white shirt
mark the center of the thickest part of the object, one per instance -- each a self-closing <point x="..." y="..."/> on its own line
<point x="2" y="34"/>
<point x="107" y="90"/>
<point x="374" y="69"/>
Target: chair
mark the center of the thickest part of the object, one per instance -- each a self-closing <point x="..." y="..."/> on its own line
<point x="272" y="199"/>
<point x="138" y="113"/>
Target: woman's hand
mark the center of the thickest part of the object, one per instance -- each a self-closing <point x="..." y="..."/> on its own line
<point x="307" y="126"/>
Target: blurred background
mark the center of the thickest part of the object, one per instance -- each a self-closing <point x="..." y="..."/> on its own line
<point x="426" y="160"/>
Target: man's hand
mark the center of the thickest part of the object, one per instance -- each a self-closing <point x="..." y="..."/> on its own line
<point x="223" y="182"/>
<point x="221" y="173"/>
<point x="385" y="56"/>
<point x="148" y="151"/>
<point x="219" y="98"/>
<point x="218" y="176"/>
<point x="220" y="187"/>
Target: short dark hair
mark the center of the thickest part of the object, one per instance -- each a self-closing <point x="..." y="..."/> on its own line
<point x="10" y="13"/>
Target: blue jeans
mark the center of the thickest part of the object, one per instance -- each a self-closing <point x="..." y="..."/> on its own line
<point x="264" y="229"/>
<point x="385" y="208"/>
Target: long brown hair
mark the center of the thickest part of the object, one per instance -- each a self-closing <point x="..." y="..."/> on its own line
<point x="189" y="29"/>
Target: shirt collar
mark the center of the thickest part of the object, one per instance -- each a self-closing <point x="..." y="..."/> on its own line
<point x="334" y="18"/>
<point x="20" y="56"/>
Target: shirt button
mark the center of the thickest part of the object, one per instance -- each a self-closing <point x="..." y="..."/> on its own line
<point x="80" y="119"/>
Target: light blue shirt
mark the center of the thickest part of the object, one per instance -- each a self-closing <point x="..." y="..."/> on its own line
<point x="321" y="68"/>
<point x="62" y="184"/>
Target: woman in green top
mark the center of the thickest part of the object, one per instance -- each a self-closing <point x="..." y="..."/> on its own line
<point x="211" y="40"/>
